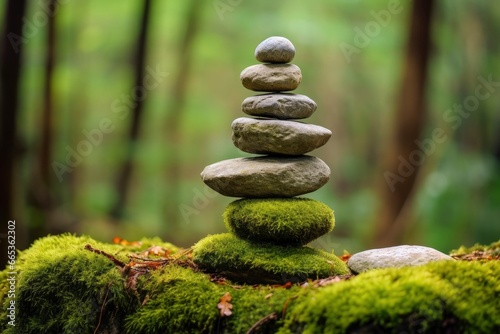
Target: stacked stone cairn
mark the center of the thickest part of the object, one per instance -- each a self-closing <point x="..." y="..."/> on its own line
<point x="269" y="227"/>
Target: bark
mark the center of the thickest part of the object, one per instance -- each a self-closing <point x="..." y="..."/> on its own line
<point x="397" y="187"/>
<point x="10" y="64"/>
<point x="48" y="101"/>
<point x="175" y="113"/>
<point x="125" y="173"/>
<point x="41" y="196"/>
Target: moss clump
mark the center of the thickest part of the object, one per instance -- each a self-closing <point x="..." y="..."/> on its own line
<point x="244" y="261"/>
<point x="182" y="301"/>
<point x="478" y="252"/>
<point x="61" y="287"/>
<point x="440" y="297"/>
<point x="64" y="288"/>
<point x="286" y="221"/>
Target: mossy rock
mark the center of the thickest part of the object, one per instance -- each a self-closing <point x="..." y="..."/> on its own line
<point x="63" y="288"/>
<point x="286" y="221"/>
<point x="439" y="297"/>
<point x="248" y="262"/>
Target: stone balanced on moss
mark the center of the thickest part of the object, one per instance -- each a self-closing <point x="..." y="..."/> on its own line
<point x="270" y="226"/>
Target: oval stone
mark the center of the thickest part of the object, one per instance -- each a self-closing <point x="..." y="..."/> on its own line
<point x="282" y="106"/>
<point x="268" y="136"/>
<point x="271" y="77"/>
<point x="394" y="257"/>
<point x="267" y="176"/>
<point x="275" y="49"/>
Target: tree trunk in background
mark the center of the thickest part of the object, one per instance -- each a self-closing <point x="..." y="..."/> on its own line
<point x="48" y="101"/>
<point x="399" y="177"/>
<point x="10" y="63"/>
<point x="125" y="173"/>
<point x="174" y="117"/>
<point x="41" y="196"/>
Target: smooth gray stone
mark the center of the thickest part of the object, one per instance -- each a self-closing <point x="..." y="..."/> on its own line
<point x="282" y="106"/>
<point x="267" y="176"/>
<point x="268" y="136"/>
<point x="398" y="256"/>
<point x="271" y="77"/>
<point x="275" y="49"/>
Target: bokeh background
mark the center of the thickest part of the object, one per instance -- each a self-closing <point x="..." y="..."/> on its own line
<point x="113" y="108"/>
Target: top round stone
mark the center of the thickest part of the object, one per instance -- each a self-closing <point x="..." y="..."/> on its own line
<point x="275" y="50"/>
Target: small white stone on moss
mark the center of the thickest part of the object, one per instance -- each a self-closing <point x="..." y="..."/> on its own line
<point x="397" y="256"/>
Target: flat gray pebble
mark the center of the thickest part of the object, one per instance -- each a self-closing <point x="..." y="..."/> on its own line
<point x="274" y="136"/>
<point x="279" y="105"/>
<point x="271" y="77"/>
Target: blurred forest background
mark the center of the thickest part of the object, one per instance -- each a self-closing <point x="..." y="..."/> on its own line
<point x="111" y="109"/>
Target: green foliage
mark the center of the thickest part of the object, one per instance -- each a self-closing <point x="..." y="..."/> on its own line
<point x="460" y="195"/>
<point x="250" y="262"/>
<point x="94" y="69"/>
<point x="446" y="296"/>
<point x="287" y="221"/>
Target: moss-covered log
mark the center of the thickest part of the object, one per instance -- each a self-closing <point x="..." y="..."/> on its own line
<point x="64" y="288"/>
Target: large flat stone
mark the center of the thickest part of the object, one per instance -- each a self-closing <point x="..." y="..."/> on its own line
<point x="398" y="256"/>
<point x="268" y="136"/>
<point x="282" y="106"/>
<point x="267" y="176"/>
<point x="271" y="77"/>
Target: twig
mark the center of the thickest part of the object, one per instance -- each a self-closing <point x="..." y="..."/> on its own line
<point x="102" y="310"/>
<point x="267" y="318"/>
<point x="117" y="262"/>
<point x="145" y="259"/>
<point x="283" y="313"/>
<point x="178" y="256"/>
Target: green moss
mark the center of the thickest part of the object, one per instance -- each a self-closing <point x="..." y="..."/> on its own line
<point x="182" y="301"/>
<point x="287" y="221"/>
<point x="441" y="297"/>
<point x="177" y="299"/>
<point x="492" y="249"/>
<point x="248" y="262"/>
<point x="61" y="286"/>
